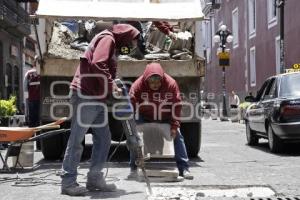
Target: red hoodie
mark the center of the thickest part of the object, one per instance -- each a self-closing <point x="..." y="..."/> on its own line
<point x="99" y="59"/>
<point x="163" y="26"/>
<point x="166" y="96"/>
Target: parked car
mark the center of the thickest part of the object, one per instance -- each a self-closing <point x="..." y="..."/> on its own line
<point x="275" y="112"/>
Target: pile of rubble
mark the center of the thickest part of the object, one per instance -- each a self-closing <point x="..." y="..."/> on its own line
<point x="70" y="38"/>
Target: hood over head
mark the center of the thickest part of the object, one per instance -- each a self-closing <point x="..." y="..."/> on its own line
<point x="124" y="34"/>
<point x="153" y="69"/>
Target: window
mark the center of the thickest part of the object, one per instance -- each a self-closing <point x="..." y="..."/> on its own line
<point x="213" y="30"/>
<point x="235" y="27"/>
<point x="30" y="44"/>
<point x="274" y="89"/>
<point x="208" y="40"/>
<point x="15" y="80"/>
<point x="252" y="17"/>
<point x="8" y="80"/>
<point x="12" y="80"/>
<point x="272" y="13"/>
<point x="208" y="54"/>
<point x="270" y="91"/>
<point x="277" y="54"/>
<point x="1" y="68"/>
<point x="261" y="91"/>
<point x="252" y="67"/>
<point x="290" y="85"/>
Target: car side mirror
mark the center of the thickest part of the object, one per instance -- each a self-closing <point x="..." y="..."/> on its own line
<point x="250" y="99"/>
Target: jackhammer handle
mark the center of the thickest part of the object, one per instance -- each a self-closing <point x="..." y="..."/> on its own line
<point x="122" y="86"/>
<point x="119" y="83"/>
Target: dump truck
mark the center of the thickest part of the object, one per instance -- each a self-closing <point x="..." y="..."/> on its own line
<point x="178" y="59"/>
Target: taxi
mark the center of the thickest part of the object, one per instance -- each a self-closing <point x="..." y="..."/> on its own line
<point x="275" y="112"/>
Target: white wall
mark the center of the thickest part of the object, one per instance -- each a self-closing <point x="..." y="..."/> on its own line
<point x="41" y="27"/>
<point x="199" y="39"/>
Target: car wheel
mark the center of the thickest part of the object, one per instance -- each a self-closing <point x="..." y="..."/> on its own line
<point x="275" y="143"/>
<point x="252" y="138"/>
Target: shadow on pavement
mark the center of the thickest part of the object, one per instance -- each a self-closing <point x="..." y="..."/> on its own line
<point x="107" y="195"/>
<point x="289" y="150"/>
<point x="120" y="159"/>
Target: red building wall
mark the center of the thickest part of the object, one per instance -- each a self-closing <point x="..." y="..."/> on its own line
<point x="238" y="74"/>
<point x="235" y="73"/>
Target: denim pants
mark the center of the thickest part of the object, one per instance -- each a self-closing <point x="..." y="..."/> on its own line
<point x="181" y="157"/>
<point x="86" y="113"/>
<point x="34" y="113"/>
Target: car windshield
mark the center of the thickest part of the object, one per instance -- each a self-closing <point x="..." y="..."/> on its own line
<point x="290" y="85"/>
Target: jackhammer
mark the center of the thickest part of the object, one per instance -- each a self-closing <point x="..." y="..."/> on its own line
<point x="124" y="112"/>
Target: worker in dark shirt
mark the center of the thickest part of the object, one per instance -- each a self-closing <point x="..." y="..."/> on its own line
<point x="92" y="84"/>
<point x="32" y="94"/>
<point x="32" y="97"/>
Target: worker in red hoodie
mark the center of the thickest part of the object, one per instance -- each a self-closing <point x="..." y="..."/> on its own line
<point x="92" y="84"/>
<point x="163" y="26"/>
<point x="166" y="28"/>
<point x="157" y="88"/>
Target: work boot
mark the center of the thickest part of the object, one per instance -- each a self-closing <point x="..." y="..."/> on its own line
<point x="133" y="174"/>
<point x="74" y="190"/>
<point x="186" y="174"/>
<point x="97" y="182"/>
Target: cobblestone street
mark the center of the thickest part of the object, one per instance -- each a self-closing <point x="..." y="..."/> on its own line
<point x="226" y="167"/>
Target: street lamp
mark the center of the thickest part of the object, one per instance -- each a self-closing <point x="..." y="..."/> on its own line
<point x="223" y="36"/>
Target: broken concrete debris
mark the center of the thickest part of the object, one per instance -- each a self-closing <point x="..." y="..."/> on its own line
<point x="71" y="38"/>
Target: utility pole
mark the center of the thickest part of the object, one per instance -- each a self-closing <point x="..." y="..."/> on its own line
<point x="280" y="5"/>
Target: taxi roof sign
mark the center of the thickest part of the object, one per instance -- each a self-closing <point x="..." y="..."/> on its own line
<point x="292" y="70"/>
<point x="296" y="68"/>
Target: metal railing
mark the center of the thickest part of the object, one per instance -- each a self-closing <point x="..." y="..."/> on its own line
<point x="13" y="15"/>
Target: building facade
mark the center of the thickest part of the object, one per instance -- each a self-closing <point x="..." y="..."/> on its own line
<point x="14" y="26"/>
<point x="255" y="50"/>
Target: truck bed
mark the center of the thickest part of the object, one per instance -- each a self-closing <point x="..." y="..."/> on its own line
<point x="62" y="60"/>
<point x="126" y="68"/>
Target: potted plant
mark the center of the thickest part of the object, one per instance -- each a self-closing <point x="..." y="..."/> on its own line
<point x="7" y="109"/>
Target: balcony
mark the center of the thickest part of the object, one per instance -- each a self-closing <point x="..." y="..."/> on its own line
<point x="210" y="5"/>
<point x="14" y="18"/>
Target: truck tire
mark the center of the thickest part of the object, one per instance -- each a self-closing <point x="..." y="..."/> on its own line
<point x="52" y="147"/>
<point x="191" y="132"/>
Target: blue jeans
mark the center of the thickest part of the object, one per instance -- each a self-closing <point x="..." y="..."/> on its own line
<point x="181" y="157"/>
<point x="34" y="113"/>
<point x="92" y="113"/>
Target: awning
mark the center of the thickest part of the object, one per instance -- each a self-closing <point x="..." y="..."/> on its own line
<point x="139" y="10"/>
